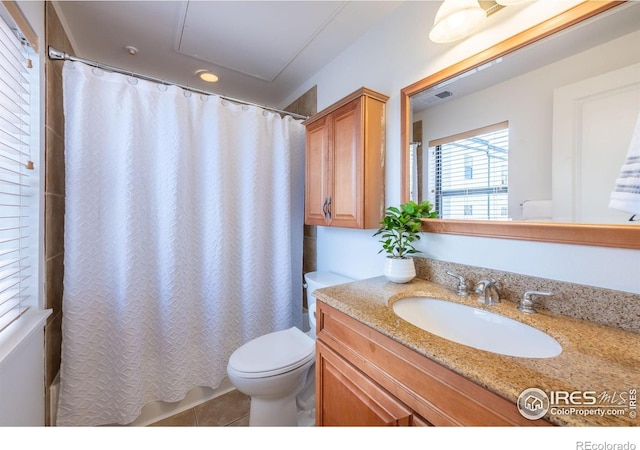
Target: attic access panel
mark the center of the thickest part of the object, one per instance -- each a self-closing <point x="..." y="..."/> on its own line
<point x="272" y="33"/>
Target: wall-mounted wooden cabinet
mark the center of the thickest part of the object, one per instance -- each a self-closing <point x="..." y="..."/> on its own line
<point x="365" y="378"/>
<point x="345" y="151"/>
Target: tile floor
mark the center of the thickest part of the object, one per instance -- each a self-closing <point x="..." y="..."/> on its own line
<point x="228" y="410"/>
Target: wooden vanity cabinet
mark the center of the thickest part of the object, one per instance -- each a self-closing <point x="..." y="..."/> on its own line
<point x="366" y="378"/>
<point x="350" y="398"/>
<point x="344" y="168"/>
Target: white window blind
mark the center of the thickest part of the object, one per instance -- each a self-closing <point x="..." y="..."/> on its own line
<point x="469" y="174"/>
<point x="17" y="193"/>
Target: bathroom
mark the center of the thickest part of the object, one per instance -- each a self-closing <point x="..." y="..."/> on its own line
<point x="386" y="66"/>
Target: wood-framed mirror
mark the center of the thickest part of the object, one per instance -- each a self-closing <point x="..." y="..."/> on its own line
<point x="594" y="234"/>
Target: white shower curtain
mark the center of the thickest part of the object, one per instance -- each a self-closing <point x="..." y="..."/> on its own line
<point x="183" y="240"/>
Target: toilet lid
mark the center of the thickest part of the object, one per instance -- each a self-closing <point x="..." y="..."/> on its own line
<point x="273" y="354"/>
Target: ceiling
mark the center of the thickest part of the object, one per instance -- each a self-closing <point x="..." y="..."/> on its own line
<point x="261" y="50"/>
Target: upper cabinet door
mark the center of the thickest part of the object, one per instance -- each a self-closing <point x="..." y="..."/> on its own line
<point x="317" y="172"/>
<point x="347" y="166"/>
<point x="345" y="162"/>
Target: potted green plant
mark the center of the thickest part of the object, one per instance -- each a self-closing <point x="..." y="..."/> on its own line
<point x="399" y="230"/>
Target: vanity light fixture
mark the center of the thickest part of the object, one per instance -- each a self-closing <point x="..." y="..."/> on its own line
<point x="456" y="19"/>
<point x="207" y="76"/>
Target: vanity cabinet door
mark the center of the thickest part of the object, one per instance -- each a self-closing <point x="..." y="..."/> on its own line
<point x="346" y="397"/>
<point x="344" y="166"/>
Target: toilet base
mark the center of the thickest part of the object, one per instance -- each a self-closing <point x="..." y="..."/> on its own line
<point x="277" y="412"/>
<point x="274" y="400"/>
<point x="294" y="409"/>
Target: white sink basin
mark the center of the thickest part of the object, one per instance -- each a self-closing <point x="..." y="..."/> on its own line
<point x="476" y="328"/>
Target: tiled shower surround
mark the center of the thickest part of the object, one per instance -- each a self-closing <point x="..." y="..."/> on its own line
<point x="604" y="306"/>
<point x="54" y="199"/>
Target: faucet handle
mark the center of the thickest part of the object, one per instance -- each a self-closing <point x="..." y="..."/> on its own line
<point x="526" y="304"/>
<point x="462" y="288"/>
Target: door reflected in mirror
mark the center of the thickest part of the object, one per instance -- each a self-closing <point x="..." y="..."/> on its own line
<point x="565" y="109"/>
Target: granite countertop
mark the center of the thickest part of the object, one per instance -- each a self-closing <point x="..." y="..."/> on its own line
<point x="596" y="358"/>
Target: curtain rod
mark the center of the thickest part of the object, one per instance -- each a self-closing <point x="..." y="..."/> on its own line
<point x="58" y="55"/>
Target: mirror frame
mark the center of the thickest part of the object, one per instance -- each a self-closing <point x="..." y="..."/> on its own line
<point x="602" y="235"/>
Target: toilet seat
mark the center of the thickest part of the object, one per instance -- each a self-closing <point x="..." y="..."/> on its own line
<point x="272" y="354"/>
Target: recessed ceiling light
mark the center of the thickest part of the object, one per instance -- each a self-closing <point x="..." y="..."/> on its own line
<point x="207" y="76"/>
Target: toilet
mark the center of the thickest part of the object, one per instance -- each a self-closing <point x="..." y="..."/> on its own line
<point x="277" y="370"/>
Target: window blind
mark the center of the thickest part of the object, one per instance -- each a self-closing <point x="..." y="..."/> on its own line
<point x="470" y="174"/>
<point x="16" y="190"/>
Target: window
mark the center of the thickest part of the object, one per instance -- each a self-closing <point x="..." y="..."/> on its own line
<point x="469" y="174"/>
<point x="19" y="232"/>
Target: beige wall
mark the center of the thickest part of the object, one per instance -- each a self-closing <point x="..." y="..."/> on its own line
<point x="54" y="197"/>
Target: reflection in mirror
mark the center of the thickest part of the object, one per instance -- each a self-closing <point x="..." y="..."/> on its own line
<point x="536" y="135"/>
<point x="465" y="175"/>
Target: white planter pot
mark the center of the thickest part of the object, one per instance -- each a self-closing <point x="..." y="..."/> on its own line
<point x="400" y="270"/>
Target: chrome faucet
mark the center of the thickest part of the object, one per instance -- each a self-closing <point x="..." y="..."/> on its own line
<point x="526" y="304"/>
<point x="462" y="288"/>
<point x="488" y="292"/>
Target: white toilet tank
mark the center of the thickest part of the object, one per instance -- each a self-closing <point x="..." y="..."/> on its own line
<point x="318" y="280"/>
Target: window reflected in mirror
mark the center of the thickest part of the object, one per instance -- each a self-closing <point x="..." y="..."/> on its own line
<point x="467" y="174"/>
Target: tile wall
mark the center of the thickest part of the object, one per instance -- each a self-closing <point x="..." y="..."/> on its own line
<point x="54" y="202"/>
<point x="307" y="104"/>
